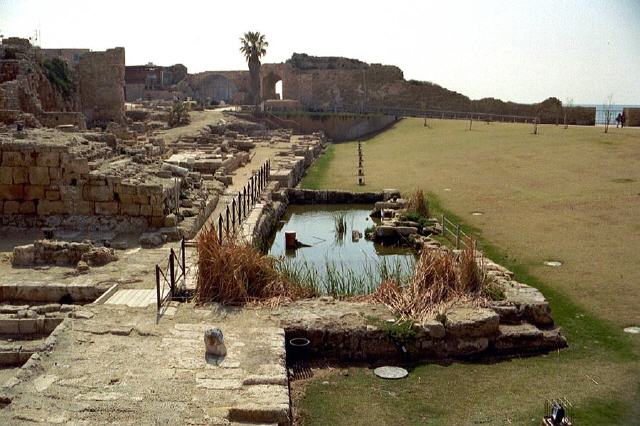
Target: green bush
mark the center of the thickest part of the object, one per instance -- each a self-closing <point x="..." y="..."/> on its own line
<point x="58" y="74"/>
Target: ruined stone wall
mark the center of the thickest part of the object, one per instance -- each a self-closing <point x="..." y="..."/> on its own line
<point x="228" y="86"/>
<point x="337" y="127"/>
<point x="101" y="84"/>
<point x="57" y="118"/>
<point x="632" y="116"/>
<point x="38" y="180"/>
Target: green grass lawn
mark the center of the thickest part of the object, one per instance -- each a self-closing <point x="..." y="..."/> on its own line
<point x="571" y="195"/>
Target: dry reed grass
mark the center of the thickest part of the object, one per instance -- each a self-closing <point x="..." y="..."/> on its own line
<point x="418" y="203"/>
<point x="441" y="278"/>
<point x="236" y="273"/>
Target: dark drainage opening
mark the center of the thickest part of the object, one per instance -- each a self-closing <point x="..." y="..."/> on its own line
<point x="298" y="350"/>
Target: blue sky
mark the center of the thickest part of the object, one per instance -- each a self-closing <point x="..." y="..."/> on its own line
<point x="524" y="51"/>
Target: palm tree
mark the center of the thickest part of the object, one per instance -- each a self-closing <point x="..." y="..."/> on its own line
<point x="254" y="46"/>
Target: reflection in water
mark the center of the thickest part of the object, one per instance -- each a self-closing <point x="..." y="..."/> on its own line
<point x="334" y="247"/>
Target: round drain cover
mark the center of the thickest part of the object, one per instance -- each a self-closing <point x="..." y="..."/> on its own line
<point x="632" y="330"/>
<point x="388" y="372"/>
<point x="553" y="263"/>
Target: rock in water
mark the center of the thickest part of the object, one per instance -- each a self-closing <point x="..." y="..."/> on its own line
<point x="214" y="342"/>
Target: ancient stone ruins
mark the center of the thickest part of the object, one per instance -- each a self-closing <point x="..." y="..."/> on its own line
<point x="102" y="203"/>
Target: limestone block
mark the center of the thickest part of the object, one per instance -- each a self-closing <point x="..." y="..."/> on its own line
<point x="48" y="159"/>
<point x="99" y="256"/>
<point x="145" y="210"/>
<point x="13" y="159"/>
<point x="34" y="192"/>
<point x="11" y="207"/>
<point x="521" y="336"/>
<point x="157" y="210"/>
<point x="52" y="195"/>
<point x="84" y="207"/>
<point x="55" y="173"/>
<point x="149" y="189"/>
<point x="11" y="192"/>
<point x="23" y="255"/>
<point x="97" y="193"/>
<point x="471" y="322"/>
<point x="125" y="188"/>
<point x="27" y="207"/>
<point x="6" y="175"/>
<point x="77" y="166"/>
<point x="20" y="175"/>
<point x="46" y="207"/>
<point x="39" y="175"/>
<point x="127" y="209"/>
<point x="108" y="208"/>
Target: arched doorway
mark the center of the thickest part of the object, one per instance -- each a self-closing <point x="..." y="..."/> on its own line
<point x="271" y="86"/>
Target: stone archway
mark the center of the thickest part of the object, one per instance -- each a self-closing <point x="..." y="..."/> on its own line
<point x="269" y="81"/>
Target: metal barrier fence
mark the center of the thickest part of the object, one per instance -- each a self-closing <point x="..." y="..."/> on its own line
<point x="241" y="204"/>
<point x="454" y="233"/>
<point x="166" y="279"/>
<point x="420" y="113"/>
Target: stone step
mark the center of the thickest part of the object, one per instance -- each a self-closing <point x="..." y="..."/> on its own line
<point x="40" y="326"/>
<point x="14" y="353"/>
<point x="45" y="292"/>
<point x="135" y="298"/>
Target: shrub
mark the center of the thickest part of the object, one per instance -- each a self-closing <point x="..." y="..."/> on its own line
<point x="179" y="114"/>
<point x="58" y="74"/>
<point x="235" y="273"/>
<point x="418" y="204"/>
<point x="440" y="279"/>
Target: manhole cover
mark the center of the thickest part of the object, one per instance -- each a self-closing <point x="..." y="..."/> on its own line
<point x="632" y="330"/>
<point x="476" y="213"/>
<point x="553" y="263"/>
<point x="387" y="372"/>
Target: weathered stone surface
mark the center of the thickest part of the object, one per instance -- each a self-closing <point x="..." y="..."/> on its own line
<point x="471" y="322"/>
<point x="151" y="239"/>
<point x="39" y="175"/>
<point x="518" y="337"/>
<point x="99" y="256"/>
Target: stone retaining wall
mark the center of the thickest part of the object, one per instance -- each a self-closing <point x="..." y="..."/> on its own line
<point x="38" y="180"/>
<point x="310" y="196"/>
<point x="365" y="332"/>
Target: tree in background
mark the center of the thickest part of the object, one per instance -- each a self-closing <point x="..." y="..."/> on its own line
<point x="254" y="46"/>
<point x="566" y="107"/>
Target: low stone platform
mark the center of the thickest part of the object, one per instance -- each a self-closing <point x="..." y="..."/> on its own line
<point x="366" y="332"/>
<point x="119" y="366"/>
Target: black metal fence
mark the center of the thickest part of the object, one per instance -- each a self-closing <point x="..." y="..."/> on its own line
<point x="241" y="204"/>
<point x="168" y="279"/>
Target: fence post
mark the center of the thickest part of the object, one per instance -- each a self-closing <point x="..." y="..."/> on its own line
<point x="444" y="227"/>
<point x="220" y="228"/>
<point x="172" y="270"/>
<point x="233" y="214"/>
<point x="184" y="260"/>
<point x="244" y="200"/>
<point x="227" y="221"/>
<point x="458" y="236"/>
<point x="158" y="287"/>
